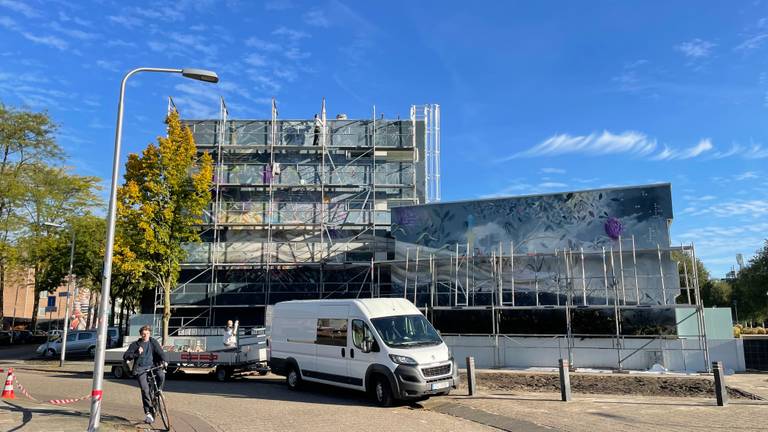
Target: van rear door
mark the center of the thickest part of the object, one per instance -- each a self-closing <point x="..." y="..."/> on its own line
<point x="331" y="342"/>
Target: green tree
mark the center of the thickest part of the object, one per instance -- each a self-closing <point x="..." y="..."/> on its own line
<point x="52" y="195"/>
<point x="687" y="271"/>
<point x="165" y="192"/>
<point x="88" y="257"/>
<point x="751" y="288"/>
<point x="716" y="293"/>
<point x="26" y="139"/>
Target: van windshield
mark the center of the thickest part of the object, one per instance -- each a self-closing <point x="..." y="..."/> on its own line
<point x="406" y="331"/>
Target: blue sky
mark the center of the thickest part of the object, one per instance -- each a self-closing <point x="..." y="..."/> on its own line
<point x="535" y="96"/>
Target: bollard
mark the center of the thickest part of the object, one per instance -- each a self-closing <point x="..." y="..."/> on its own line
<point x="471" y="383"/>
<point x="565" y="380"/>
<point x="721" y="393"/>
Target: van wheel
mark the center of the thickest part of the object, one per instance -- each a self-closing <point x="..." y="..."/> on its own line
<point x="293" y="378"/>
<point x="382" y="392"/>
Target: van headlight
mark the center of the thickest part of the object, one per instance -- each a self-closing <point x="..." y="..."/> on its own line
<point x="403" y="360"/>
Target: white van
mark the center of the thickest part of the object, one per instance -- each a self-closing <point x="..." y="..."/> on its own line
<point x="383" y="346"/>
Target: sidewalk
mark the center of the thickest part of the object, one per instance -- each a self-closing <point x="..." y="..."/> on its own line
<point x="19" y="413"/>
<point x="596" y="413"/>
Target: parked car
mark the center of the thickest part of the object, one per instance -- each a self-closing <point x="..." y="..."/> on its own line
<point x="5" y="337"/>
<point x="383" y="346"/>
<point x="114" y="338"/>
<point x="22" y="336"/>
<point x="78" y="342"/>
<point x="39" y="336"/>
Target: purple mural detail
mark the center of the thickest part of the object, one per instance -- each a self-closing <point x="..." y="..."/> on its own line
<point x="614" y="228"/>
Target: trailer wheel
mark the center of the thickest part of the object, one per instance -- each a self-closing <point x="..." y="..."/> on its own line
<point x="223" y="373"/>
<point x="118" y="372"/>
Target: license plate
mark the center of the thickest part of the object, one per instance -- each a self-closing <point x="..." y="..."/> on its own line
<point x="440" y="385"/>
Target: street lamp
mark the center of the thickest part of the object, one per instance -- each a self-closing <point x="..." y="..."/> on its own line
<point x="98" y="363"/>
<point x="71" y="282"/>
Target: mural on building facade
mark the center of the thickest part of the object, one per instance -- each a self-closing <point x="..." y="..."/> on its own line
<point x="601" y="245"/>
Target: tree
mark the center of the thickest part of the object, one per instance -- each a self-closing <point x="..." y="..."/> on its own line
<point x="716" y="293"/>
<point x="26" y="138"/>
<point x="751" y="287"/>
<point x="52" y="194"/>
<point x="686" y="270"/>
<point x="88" y="254"/>
<point x="165" y="192"/>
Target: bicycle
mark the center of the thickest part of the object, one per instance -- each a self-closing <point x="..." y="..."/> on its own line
<point x="157" y="397"/>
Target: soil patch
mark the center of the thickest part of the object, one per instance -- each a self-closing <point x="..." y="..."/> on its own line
<point x="619" y="384"/>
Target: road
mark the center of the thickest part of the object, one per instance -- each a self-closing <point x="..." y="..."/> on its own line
<point x="251" y="403"/>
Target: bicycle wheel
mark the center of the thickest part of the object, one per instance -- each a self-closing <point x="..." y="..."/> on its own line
<point x="161" y="409"/>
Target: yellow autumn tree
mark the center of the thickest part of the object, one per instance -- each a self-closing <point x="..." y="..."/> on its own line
<point x="166" y="189"/>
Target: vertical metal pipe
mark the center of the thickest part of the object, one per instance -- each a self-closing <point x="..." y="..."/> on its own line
<point x="583" y="279"/>
<point x="605" y="278"/>
<point x="661" y="276"/>
<point x="512" y="268"/>
<point x="456" y="280"/>
<point x="405" y="286"/>
<point x="621" y="273"/>
<point x="416" y="277"/>
<point x="634" y="265"/>
<point x="466" y="287"/>
<point x="687" y="282"/>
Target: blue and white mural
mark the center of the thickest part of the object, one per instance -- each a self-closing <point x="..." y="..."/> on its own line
<point x="599" y="246"/>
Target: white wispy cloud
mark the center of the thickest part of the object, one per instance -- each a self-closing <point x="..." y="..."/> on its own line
<point x="696" y="48"/>
<point x="278" y="5"/>
<point x="262" y="45"/>
<point x="290" y="34"/>
<point x="669" y="153"/>
<point x="20" y="7"/>
<point x="552" y="170"/>
<point x="110" y="65"/>
<point x="126" y="20"/>
<point x="119" y="43"/>
<point x="753" y="208"/>
<point x="604" y="143"/>
<point x="752" y="42"/>
<point x="635" y="144"/>
<point x="317" y="18"/>
<point x="73" y="33"/>
<point x="747" y="175"/>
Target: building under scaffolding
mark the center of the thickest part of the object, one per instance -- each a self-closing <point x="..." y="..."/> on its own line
<point x="301" y="209"/>
<point x="336" y="207"/>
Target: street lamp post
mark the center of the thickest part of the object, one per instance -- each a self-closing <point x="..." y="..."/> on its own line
<point x="70" y="282"/>
<point x="98" y="364"/>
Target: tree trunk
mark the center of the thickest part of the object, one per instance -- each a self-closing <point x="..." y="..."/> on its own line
<point x="166" y="310"/>
<point x="35" y="307"/>
<point x="112" y="312"/>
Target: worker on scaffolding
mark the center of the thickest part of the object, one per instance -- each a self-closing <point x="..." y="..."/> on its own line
<point x="317" y="131"/>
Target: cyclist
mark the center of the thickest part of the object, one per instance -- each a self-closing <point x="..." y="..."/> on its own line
<point x="146" y="353"/>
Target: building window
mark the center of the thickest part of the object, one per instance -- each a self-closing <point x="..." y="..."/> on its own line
<point x="331" y="331"/>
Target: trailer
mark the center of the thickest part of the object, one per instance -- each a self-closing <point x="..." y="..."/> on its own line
<point x="201" y="348"/>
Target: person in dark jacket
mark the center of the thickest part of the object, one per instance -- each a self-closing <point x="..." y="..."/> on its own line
<point x="146" y="353"/>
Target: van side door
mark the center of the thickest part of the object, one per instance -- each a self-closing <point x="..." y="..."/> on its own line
<point x="361" y="335"/>
<point x="332" y="350"/>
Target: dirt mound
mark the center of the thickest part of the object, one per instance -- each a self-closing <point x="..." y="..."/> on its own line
<point x="620" y="384"/>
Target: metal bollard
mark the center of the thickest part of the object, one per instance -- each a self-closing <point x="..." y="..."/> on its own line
<point x="721" y="393"/>
<point x="471" y="382"/>
<point x="565" y="380"/>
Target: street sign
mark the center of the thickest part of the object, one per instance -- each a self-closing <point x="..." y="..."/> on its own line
<point x="51" y="302"/>
<point x="63" y="294"/>
<point x="50" y="309"/>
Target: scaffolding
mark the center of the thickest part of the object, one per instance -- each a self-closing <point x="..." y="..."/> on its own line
<point x="301" y="208"/>
<point x="612" y="284"/>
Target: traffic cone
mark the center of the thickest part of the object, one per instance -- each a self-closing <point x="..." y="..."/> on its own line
<point x="8" y="389"/>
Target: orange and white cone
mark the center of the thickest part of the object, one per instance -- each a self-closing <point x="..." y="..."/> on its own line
<point x="8" y="389"/>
